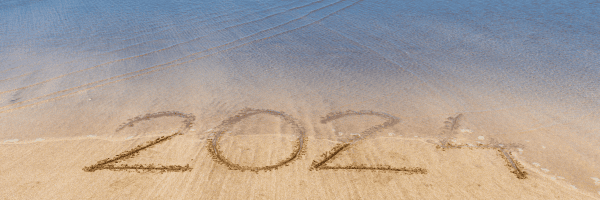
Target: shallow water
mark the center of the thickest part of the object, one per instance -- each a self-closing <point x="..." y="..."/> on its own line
<point x="521" y="72"/>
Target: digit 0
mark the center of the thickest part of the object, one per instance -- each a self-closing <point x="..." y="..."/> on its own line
<point x="226" y="125"/>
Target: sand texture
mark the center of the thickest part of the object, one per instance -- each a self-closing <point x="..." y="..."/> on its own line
<point x="299" y="99"/>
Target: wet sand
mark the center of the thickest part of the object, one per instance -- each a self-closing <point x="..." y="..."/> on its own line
<point x="347" y="100"/>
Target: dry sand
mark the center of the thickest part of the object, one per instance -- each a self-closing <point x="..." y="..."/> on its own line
<point x="348" y="99"/>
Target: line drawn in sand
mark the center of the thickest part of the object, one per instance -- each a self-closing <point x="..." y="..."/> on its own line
<point x="111" y="163"/>
<point x="334" y="153"/>
<point x="452" y="124"/>
<point x="217" y="155"/>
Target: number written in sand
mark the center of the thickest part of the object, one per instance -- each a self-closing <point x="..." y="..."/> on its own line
<point x="298" y="150"/>
<point x="327" y="157"/>
<point x="217" y="155"/>
<point x="452" y="125"/>
<point x="111" y="163"/>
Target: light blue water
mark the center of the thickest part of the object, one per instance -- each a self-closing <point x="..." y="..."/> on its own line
<point x="554" y="40"/>
<point x="539" y="59"/>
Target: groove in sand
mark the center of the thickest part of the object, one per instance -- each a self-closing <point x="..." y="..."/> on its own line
<point x="213" y="146"/>
<point x="337" y="149"/>
<point x="109" y="163"/>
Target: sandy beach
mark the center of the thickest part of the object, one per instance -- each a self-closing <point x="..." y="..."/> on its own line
<point x="299" y="99"/>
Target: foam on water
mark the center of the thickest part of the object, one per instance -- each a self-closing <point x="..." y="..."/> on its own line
<point x="11" y="141"/>
<point x="545" y="170"/>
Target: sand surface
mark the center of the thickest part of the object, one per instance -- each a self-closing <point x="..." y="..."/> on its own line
<point x="348" y="99"/>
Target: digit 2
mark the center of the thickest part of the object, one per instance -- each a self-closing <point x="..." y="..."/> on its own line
<point x="110" y="163"/>
<point x="333" y="153"/>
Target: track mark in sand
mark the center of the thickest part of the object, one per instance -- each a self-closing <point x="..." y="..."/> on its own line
<point x="281" y="29"/>
<point x="19" y="76"/>
<point x="217" y="155"/>
<point x="11" y="68"/>
<point x="333" y="153"/>
<point x="452" y="124"/>
<point x="110" y="163"/>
